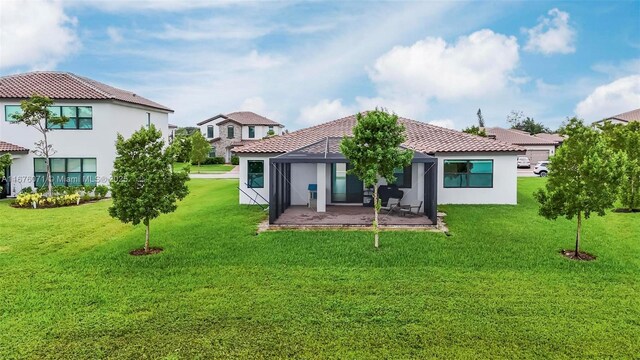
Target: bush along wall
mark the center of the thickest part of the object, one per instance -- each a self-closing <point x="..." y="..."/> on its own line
<point x="62" y="196"/>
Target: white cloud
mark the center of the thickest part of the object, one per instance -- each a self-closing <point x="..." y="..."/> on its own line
<point x="552" y="35"/>
<point x="114" y="34"/>
<point x="474" y="66"/>
<point x="37" y="34"/>
<point x="446" y="123"/>
<point x="324" y="110"/>
<point x="259" y="106"/>
<point x="406" y="106"/>
<point x="611" y="99"/>
<point x="618" y="69"/>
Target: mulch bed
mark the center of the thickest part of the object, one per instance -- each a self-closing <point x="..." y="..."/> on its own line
<point x="627" y="210"/>
<point x="141" y="252"/>
<point x="571" y="254"/>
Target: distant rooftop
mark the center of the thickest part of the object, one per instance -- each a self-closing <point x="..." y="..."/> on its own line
<point x="242" y="118"/>
<point x="67" y="86"/>
<point x="633" y="115"/>
<point x="517" y="137"/>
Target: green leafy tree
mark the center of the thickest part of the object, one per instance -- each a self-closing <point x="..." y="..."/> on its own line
<point x="187" y="130"/>
<point x="182" y="148"/>
<point x="474" y="130"/>
<point x="200" y="148"/>
<point x="5" y="161"/>
<point x="583" y="177"/>
<point x="374" y="152"/>
<point x="143" y="186"/>
<point x="480" y="119"/>
<point x="35" y="113"/>
<point x="518" y="121"/>
<point x="626" y="139"/>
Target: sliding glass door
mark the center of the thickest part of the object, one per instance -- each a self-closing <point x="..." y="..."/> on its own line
<point x="345" y="188"/>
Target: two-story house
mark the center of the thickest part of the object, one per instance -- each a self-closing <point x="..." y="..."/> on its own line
<point x="85" y="145"/>
<point x="230" y="131"/>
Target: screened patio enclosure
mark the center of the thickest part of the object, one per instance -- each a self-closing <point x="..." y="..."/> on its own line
<point x="322" y="166"/>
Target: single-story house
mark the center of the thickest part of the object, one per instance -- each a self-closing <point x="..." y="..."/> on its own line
<point x="85" y="145"/>
<point x="624" y="118"/>
<point x="537" y="148"/>
<point x="559" y="139"/>
<point x="449" y="167"/>
<point x="228" y="132"/>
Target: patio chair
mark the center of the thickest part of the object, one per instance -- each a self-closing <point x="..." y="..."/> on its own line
<point x="411" y="209"/>
<point x="392" y="205"/>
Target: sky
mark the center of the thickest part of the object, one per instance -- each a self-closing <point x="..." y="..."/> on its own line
<point x="303" y="63"/>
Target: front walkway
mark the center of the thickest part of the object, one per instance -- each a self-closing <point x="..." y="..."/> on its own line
<point x="231" y="174"/>
<point x="358" y="216"/>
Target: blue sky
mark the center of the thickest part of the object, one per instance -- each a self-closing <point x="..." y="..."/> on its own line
<point x="302" y="63"/>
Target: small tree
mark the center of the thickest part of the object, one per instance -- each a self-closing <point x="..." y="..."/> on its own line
<point x="200" y="148"/>
<point x="480" y="119"/>
<point x="5" y="161"/>
<point x="143" y="186"/>
<point x="583" y="177"/>
<point x="626" y="139"/>
<point x="35" y="113"/>
<point x="374" y="152"/>
<point x="474" y="130"/>
<point x="518" y="121"/>
<point x="182" y="148"/>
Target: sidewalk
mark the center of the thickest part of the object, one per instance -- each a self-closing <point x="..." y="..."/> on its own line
<point x="231" y="174"/>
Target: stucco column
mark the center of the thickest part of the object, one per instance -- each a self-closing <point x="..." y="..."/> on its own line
<point x="321" y="203"/>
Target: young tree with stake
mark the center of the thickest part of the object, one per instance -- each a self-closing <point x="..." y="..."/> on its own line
<point x="143" y="186"/>
<point x="584" y="177"/>
<point x="374" y="152"/>
<point x="35" y="113"/>
<point x="5" y="161"/>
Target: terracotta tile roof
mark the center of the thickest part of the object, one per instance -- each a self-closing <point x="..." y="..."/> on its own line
<point x="633" y="115"/>
<point x="65" y="85"/>
<point x="553" y="137"/>
<point x="517" y="137"/>
<point x="8" y="147"/>
<point x="242" y="118"/>
<point x="421" y="137"/>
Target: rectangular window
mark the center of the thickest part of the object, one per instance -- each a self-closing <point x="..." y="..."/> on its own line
<point x="403" y="177"/>
<point x="10" y="110"/>
<point x="252" y="132"/>
<point x="255" y="173"/>
<point x="66" y="171"/>
<point x="212" y="152"/>
<point x="78" y="117"/>
<point x="210" y="131"/>
<point x="230" y="134"/>
<point x="468" y="173"/>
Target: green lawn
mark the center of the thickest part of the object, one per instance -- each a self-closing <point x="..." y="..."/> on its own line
<point x="496" y="288"/>
<point x="205" y="169"/>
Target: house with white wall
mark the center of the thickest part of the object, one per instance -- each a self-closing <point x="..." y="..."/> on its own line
<point x="85" y="145"/>
<point x="623" y="118"/>
<point x="226" y="133"/>
<point x="449" y="167"/>
<point x="538" y="148"/>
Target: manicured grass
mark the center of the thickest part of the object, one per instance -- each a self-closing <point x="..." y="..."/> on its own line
<point x="496" y="288"/>
<point x="205" y="169"/>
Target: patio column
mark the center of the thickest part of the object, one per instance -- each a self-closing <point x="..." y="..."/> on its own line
<point x="321" y="173"/>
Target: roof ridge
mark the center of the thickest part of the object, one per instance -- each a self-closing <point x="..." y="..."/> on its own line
<point x="93" y="87"/>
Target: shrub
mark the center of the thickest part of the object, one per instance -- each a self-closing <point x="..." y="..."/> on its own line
<point x="101" y="191"/>
<point x="212" y="161"/>
<point x="235" y="160"/>
<point x="27" y="190"/>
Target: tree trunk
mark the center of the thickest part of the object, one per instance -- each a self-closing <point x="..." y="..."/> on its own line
<point x="376" y="209"/>
<point x="47" y="162"/>
<point x="578" y="234"/>
<point x="146" y="240"/>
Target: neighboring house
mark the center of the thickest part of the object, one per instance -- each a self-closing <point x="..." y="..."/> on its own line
<point x="538" y="148"/>
<point x="559" y="139"/>
<point x="227" y="133"/>
<point x="624" y="118"/>
<point x="449" y="167"/>
<point x="172" y="132"/>
<point x="85" y="145"/>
